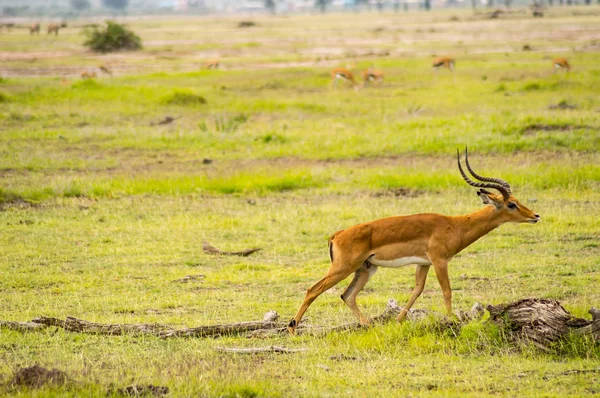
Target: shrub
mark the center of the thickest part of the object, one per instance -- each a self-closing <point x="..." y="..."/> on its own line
<point x="114" y="37"/>
<point x="4" y="97"/>
<point x="184" y="97"/>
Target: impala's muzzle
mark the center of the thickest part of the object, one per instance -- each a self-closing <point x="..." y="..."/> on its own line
<point x="534" y="220"/>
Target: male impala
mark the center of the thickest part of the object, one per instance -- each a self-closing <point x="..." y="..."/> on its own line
<point x="34" y="28"/>
<point x="342" y="74"/>
<point x="421" y="239"/>
<point x="445" y="62"/>
<point x="53" y="28"/>
<point x="561" y="63"/>
<point x="372" y="76"/>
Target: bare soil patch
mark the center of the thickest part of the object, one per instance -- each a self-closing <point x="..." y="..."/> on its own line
<point x="38" y="376"/>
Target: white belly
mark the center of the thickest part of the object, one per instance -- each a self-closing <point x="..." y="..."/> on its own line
<point x="399" y="262"/>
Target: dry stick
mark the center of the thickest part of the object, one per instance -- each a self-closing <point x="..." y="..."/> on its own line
<point x="207" y="248"/>
<point x="258" y="350"/>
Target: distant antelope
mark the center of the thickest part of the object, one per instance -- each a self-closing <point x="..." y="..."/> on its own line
<point x="372" y="76"/>
<point x="445" y="62"/>
<point x="53" y="28"/>
<point x="88" y="75"/>
<point x="212" y="64"/>
<point x="106" y="70"/>
<point x="561" y="63"/>
<point x="342" y="74"/>
<point x="34" y="28"/>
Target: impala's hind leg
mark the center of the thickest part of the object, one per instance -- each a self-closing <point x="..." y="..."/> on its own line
<point x="420" y="279"/>
<point x="335" y="274"/>
<point x="361" y="278"/>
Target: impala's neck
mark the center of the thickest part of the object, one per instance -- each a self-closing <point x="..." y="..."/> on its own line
<point x="475" y="225"/>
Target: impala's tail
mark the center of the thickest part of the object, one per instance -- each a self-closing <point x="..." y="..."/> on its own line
<point x="330" y="242"/>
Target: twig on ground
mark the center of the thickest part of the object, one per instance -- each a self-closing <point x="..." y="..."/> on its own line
<point x="166" y="120"/>
<point x="207" y="248"/>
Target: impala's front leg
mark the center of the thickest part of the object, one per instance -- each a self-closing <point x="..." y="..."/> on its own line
<point x="441" y="271"/>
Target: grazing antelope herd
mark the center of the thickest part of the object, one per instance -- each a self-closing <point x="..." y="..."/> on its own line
<point x="421" y="239"/>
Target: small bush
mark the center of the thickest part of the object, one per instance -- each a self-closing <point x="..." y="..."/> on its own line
<point x="4" y="97"/>
<point x="114" y="37"/>
<point x="246" y="24"/>
<point x="532" y="87"/>
<point x="184" y="97"/>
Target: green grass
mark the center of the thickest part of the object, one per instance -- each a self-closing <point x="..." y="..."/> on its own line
<point x="102" y="210"/>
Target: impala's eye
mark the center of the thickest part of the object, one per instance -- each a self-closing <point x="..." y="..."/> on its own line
<point x="512" y="205"/>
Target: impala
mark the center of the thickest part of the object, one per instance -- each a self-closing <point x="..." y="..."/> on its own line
<point x="445" y="62"/>
<point x="372" y="76"/>
<point x="343" y="74"/>
<point x="212" y="64"/>
<point x="106" y="70"/>
<point x="420" y="239"/>
<point x="34" y="28"/>
<point x="53" y="28"/>
<point x="561" y="63"/>
<point x="88" y="75"/>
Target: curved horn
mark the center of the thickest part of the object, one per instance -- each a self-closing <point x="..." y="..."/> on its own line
<point x="485" y="179"/>
<point x="498" y="187"/>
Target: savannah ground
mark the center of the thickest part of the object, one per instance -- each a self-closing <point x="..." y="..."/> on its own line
<point x="103" y="213"/>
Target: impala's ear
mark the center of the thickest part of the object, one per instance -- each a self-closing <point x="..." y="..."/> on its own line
<point x="489" y="198"/>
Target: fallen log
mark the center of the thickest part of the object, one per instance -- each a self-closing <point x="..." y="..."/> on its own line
<point x="260" y="350"/>
<point x="207" y="248"/>
<point x="79" y="325"/>
<point x="21" y="326"/>
<point x="541" y="322"/>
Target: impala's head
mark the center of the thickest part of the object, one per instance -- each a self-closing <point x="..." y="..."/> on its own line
<point x="505" y="202"/>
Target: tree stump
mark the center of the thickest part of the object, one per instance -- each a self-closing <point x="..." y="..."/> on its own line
<point x="541" y="321"/>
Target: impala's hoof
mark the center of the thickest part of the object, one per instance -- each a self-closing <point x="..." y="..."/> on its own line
<point x="292" y="327"/>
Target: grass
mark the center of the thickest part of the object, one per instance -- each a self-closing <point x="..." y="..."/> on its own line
<point x="103" y="210"/>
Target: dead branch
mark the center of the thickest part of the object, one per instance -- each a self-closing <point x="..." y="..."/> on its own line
<point x="260" y="350"/>
<point x="21" y="326"/>
<point x="207" y="248"/>
<point x="79" y="325"/>
<point x="222" y="330"/>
